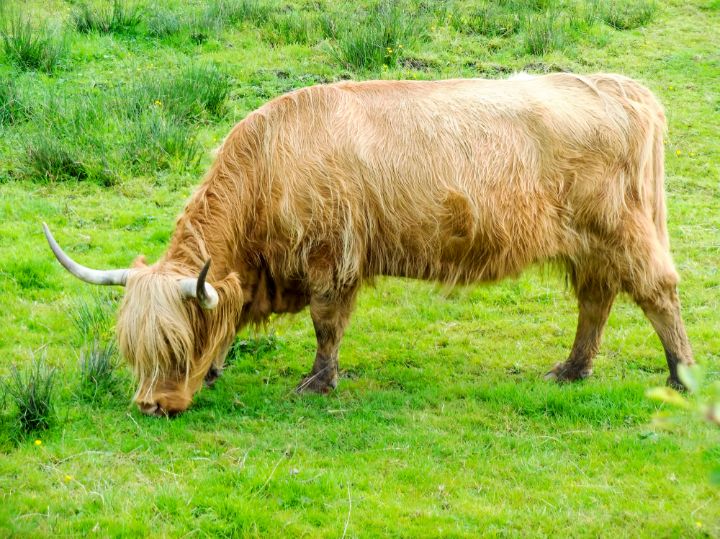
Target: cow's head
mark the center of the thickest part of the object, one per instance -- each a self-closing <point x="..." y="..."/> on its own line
<point x="171" y="328"/>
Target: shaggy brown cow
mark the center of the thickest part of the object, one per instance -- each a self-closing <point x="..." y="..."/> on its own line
<point x="458" y="181"/>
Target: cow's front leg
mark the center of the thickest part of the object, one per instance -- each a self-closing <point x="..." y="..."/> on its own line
<point x="330" y="316"/>
<point x="594" y="304"/>
<point x="216" y="367"/>
<point x="212" y="375"/>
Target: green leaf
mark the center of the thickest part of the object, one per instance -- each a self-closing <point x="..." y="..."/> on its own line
<point x="691" y="376"/>
<point x="715" y="476"/>
<point x="667" y="395"/>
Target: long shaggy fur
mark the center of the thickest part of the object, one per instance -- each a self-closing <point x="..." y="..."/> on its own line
<point x="457" y="181"/>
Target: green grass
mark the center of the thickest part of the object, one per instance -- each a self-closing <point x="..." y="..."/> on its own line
<point x="98" y="366"/>
<point x="93" y="318"/>
<point x="116" y="18"/>
<point x="30" y="46"/>
<point x="442" y="424"/>
<point x="625" y="15"/>
<point x="375" y="37"/>
<point x="32" y="394"/>
<point x="12" y="107"/>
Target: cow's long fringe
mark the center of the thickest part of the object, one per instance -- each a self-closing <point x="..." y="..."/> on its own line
<point x="159" y="335"/>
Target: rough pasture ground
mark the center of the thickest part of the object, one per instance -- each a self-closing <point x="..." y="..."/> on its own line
<point x="442" y="425"/>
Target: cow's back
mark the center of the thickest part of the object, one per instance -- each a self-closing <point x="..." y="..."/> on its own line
<point x="454" y="180"/>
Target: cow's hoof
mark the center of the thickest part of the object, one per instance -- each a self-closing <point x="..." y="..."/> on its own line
<point x="675" y="383"/>
<point x="315" y="384"/>
<point x="567" y="372"/>
<point x="212" y="376"/>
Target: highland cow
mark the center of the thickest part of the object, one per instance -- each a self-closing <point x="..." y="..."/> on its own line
<point x="456" y="181"/>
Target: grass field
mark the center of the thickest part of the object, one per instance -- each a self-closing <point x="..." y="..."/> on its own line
<point x="442" y="424"/>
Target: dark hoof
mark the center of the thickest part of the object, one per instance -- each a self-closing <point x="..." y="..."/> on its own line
<point x="315" y="384"/>
<point x="675" y="383"/>
<point x="212" y="376"/>
<point x="565" y="372"/>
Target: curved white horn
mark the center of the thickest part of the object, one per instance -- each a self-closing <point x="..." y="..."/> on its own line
<point x="204" y="292"/>
<point x="92" y="276"/>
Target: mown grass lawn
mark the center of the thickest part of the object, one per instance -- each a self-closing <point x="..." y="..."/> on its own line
<point x="442" y="424"/>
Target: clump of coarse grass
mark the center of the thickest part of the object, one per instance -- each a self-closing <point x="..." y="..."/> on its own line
<point x="291" y="27"/>
<point x="33" y="47"/>
<point x="93" y="318"/>
<point x="625" y="14"/>
<point x="70" y="141"/>
<point x="98" y="366"/>
<point x="187" y="96"/>
<point x="159" y="142"/>
<point x="374" y="38"/>
<point x="255" y="12"/>
<point x="197" y="89"/>
<point x="48" y="159"/>
<point x="32" y="392"/>
<point x="12" y="107"/>
<point x="120" y="17"/>
<point x="489" y="20"/>
<point x="163" y="23"/>
<point x="544" y="33"/>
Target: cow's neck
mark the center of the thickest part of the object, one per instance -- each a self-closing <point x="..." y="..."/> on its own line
<point x="205" y="230"/>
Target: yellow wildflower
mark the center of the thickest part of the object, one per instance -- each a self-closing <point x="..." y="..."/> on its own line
<point x="38" y="442"/>
<point x="678" y="152"/>
<point x="157" y="103"/>
<point x="68" y="478"/>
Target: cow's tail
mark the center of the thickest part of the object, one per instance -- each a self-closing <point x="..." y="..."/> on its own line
<point x="650" y="119"/>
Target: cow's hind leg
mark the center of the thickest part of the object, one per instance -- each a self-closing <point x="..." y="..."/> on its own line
<point x="594" y="303"/>
<point x="330" y="316"/>
<point x="661" y="305"/>
<point x="649" y="276"/>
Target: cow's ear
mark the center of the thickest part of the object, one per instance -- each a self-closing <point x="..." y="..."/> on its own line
<point x="139" y="262"/>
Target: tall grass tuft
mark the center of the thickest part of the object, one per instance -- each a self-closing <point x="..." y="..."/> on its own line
<point x="290" y="27"/>
<point x="198" y="89"/>
<point x="31" y="47"/>
<point x="544" y="33"/>
<point x="12" y="108"/>
<point x="120" y="17"/>
<point x="98" y="366"/>
<point x="70" y="142"/>
<point x="489" y="20"/>
<point x="32" y="393"/>
<point x="625" y="14"/>
<point x="375" y="38"/>
<point x="256" y="12"/>
<point x="195" y="91"/>
<point x="93" y="318"/>
<point x="159" y="142"/>
<point x="163" y="23"/>
<point x="48" y="159"/>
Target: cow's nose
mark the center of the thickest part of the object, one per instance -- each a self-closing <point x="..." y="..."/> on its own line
<point x="150" y="408"/>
